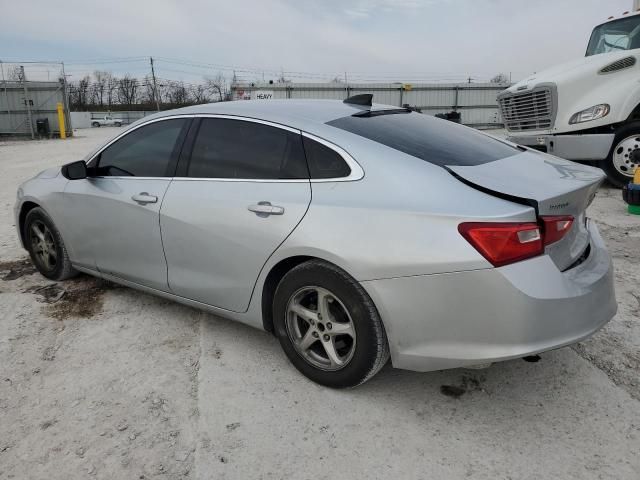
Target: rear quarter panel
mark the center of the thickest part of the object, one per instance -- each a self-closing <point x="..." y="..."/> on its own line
<point x="401" y="219"/>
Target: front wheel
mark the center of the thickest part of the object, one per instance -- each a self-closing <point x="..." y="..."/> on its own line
<point x="95" y="124"/>
<point x="118" y="124"/>
<point x="45" y="246"/>
<point x="328" y="326"/>
<point x="624" y="156"/>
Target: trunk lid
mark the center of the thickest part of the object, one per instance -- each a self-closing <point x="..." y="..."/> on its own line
<point x="552" y="186"/>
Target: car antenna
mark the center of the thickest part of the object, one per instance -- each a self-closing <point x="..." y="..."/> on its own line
<point x="364" y="99"/>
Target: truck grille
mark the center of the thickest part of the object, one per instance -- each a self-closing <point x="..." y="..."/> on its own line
<point x="532" y="110"/>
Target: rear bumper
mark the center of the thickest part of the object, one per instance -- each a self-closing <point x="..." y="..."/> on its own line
<point x="571" y="147"/>
<point x="441" y="321"/>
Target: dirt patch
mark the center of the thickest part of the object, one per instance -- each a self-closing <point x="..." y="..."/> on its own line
<point x="467" y="384"/>
<point x="78" y="298"/>
<point x="47" y="293"/>
<point x="15" y="269"/>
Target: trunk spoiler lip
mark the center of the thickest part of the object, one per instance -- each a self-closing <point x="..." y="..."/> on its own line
<point x="505" y="196"/>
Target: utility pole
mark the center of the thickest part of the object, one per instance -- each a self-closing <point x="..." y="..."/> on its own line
<point x="155" y="86"/>
<point x="26" y="101"/>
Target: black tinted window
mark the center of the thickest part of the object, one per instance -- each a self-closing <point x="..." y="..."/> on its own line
<point x="323" y="161"/>
<point x="431" y="139"/>
<point x="240" y="149"/>
<point x="145" y="152"/>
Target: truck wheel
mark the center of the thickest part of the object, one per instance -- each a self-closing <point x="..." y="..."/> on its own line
<point x="95" y="124"/>
<point x="624" y="156"/>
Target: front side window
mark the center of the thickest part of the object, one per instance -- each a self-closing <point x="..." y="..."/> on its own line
<point x="246" y="150"/>
<point x="145" y="152"/>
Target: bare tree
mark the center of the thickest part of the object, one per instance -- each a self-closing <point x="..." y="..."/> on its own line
<point x="177" y="93"/>
<point x="127" y="90"/>
<point x="216" y="86"/>
<point x="79" y="92"/>
<point x="149" y="94"/>
<point x="100" y="86"/>
<point x="200" y="94"/>
<point x="111" y="83"/>
<point x="500" y="78"/>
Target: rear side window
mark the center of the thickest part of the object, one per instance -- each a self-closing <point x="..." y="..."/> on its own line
<point x="323" y="161"/>
<point x="145" y="152"/>
<point x="430" y="139"/>
<point x="246" y="150"/>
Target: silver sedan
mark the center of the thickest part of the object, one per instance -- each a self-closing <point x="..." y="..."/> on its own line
<point x="354" y="232"/>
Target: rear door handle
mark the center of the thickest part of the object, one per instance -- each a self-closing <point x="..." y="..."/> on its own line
<point x="264" y="209"/>
<point x="143" y="198"/>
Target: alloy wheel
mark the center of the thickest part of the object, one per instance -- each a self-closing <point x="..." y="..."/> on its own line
<point x="320" y="328"/>
<point x="43" y="245"/>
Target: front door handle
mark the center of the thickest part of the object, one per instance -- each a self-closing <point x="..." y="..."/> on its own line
<point x="264" y="209"/>
<point x="143" y="198"/>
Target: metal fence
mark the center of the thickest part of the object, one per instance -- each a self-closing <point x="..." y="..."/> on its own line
<point x="476" y="102"/>
<point x="22" y="104"/>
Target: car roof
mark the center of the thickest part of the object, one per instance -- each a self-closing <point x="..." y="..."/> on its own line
<point x="301" y="114"/>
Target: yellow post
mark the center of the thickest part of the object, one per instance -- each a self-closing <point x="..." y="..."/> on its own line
<point x="636" y="176"/>
<point x="63" y="132"/>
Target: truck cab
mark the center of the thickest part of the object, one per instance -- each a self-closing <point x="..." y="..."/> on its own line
<point x="587" y="109"/>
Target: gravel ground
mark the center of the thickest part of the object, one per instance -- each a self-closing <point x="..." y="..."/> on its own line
<point x="100" y="381"/>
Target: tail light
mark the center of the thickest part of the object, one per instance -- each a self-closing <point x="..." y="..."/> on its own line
<point x="505" y="243"/>
<point x="555" y="227"/>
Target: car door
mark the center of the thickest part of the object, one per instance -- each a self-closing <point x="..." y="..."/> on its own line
<point x="245" y="188"/>
<point x="114" y="213"/>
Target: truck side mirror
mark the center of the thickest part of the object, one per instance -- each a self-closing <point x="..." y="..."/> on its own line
<point x="75" y="170"/>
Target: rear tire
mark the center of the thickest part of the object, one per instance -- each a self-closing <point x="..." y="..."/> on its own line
<point x="328" y="325"/>
<point x="45" y="246"/>
<point x="118" y="124"/>
<point x="624" y="156"/>
<point x="95" y="124"/>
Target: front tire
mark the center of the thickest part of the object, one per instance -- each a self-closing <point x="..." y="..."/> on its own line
<point x="624" y="156"/>
<point x="45" y="246"/>
<point x="328" y="325"/>
<point x="95" y="124"/>
<point x="118" y="124"/>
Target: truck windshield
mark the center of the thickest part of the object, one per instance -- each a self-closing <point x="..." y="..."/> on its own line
<point x="622" y="34"/>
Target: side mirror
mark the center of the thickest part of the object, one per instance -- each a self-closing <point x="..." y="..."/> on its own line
<point x="75" y="170"/>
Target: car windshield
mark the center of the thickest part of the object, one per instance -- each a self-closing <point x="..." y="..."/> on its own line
<point x="622" y="34"/>
<point x="430" y="139"/>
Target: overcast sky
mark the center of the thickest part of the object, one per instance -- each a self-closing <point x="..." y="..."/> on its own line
<point x="388" y="40"/>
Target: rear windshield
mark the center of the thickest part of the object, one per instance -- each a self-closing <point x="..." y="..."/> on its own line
<point x="430" y="139"/>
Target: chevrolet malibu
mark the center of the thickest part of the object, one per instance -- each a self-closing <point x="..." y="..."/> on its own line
<point x="353" y="231"/>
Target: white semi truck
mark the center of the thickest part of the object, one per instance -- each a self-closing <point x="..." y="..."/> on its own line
<point x="588" y="109"/>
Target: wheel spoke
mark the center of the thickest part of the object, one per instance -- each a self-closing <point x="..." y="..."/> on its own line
<point x="324" y="298"/>
<point x="342" y="329"/>
<point x="39" y="233"/>
<point x="308" y="339"/>
<point x="330" y="348"/>
<point x="45" y="260"/>
<point x="304" y="313"/>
